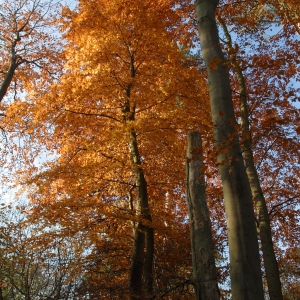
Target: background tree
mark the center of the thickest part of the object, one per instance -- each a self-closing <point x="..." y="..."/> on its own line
<point x="264" y="228"/>
<point x="35" y="262"/>
<point x="28" y="44"/>
<point x="29" y="57"/>
<point x="271" y="115"/>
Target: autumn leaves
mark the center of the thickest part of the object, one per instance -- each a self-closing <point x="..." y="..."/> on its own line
<point x="119" y="114"/>
<point x="114" y="120"/>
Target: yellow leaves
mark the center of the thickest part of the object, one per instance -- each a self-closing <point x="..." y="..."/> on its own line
<point x="15" y="109"/>
<point x="106" y="41"/>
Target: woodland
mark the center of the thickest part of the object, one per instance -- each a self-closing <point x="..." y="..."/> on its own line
<point x="149" y="149"/>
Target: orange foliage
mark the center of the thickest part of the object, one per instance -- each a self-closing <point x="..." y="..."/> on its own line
<point x="87" y="184"/>
<point x="90" y="186"/>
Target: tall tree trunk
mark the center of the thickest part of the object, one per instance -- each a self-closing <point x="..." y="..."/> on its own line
<point x="204" y="268"/>
<point x="142" y="261"/>
<point x="245" y="273"/>
<point x="141" y="270"/>
<point x="264" y="228"/>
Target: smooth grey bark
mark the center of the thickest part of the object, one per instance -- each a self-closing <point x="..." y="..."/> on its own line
<point x="264" y="227"/>
<point x="245" y="273"/>
<point x="204" y="267"/>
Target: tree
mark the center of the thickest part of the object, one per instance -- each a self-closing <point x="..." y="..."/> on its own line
<point x="264" y="97"/>
<point x="245" y="274"/>
<point x="264" y="228"/>
<point x="35" y="262"/>
<point x="28" y="49"/>
<point x="204" y="268"/>
<point x="118" y="104"/>
<point x="29" y="57"/>
<point x="288" y="11"/>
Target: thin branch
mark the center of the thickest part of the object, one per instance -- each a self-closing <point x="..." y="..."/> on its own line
<point x="92" y="115"/>
<point x="284" y="203"/>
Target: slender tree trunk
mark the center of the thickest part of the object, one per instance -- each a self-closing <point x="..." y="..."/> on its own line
<point x="11" y="70"/>
<point x="7" y="80"/>
<point x="141" y="270"/>
<point x="264" y="227"/>
<point x="245" y="273"/>
<point x="142" y="262"/>
<point x="204" y="267"/>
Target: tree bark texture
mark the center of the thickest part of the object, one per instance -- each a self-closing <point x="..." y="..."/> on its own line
<point x="264" y="227"/>
<point x="204" y="268"/>
<point x="245" y="273"/>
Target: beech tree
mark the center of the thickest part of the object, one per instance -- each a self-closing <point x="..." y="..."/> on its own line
<point x="270" y="263"/>
<point x="118" y="105"/>
<point x="34" y="262"/>
<point x="279" y="114"/>
<point x="246" y="282"/>
<point x="27" y="46"/>
<point x="204" y="268"/>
